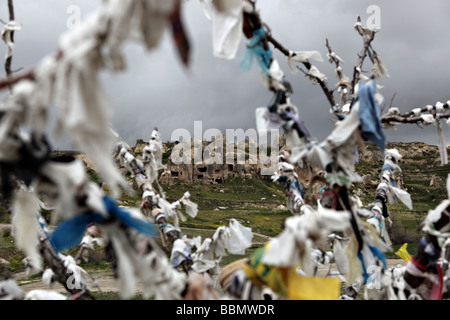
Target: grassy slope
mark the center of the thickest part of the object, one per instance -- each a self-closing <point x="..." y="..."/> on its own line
<point x="416" y="172"/>
<point x="241" y="199"/>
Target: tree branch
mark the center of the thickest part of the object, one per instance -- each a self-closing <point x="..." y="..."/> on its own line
<point x="414" y="116"/>
<point x="328" y="93"/>
<point x="8" y="60"/>
<point x="343" y="84"/>
<point x="336" y="61"/>
<point x="368" y="38"/>
<point x="12" y="80"/>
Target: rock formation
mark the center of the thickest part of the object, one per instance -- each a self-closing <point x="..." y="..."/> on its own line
<point x="220" y="160"/>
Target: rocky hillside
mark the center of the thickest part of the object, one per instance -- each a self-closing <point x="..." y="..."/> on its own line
<point x="221" y="160"/>
<point x="259" y="203"/>
<point x="422" y="173"/>
<point x="422" y="176"/>
<point x="420" y="164"/>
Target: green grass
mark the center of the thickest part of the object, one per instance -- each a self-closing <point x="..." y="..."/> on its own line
<point x="241" y="199"/>
<point x="10" y="253"/>
<point x="113" y="296"/>
<point x="94" y="176"/>
<point x="234" y="257"/>
<point x="5" y="217"/>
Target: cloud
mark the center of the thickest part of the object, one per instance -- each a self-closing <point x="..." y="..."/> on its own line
<point x="156" y="90"/>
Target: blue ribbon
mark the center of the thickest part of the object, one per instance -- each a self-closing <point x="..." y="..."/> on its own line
<point x="365" y="275"/>
<point x="299" y="188"/>
<point x="377" y="253"/>
<point x="394" y="183"/>
<point x="42" y="224"/>
<point x="273" y="107"/>
<point x="339" y="116"/>
<point x="380" y="255"/>
<point x="69" y="233"/>
<point x="369" y="115"/>
<point x="387" y="166"/>
<point x="142" y="226"/>
<point x="256" y="51"/>
<point x="163" y="225"/>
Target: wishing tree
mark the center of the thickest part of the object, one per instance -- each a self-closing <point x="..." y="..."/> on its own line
<point x="145" y="244"/>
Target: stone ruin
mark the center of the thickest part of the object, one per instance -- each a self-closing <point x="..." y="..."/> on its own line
<point x="216" y="172"/>
<point x="223" y="162"/>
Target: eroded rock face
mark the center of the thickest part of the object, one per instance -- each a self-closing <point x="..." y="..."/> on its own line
<point x="213" y="173"/>
<point x="220" y="160"/>
<point x="215" y="161"/>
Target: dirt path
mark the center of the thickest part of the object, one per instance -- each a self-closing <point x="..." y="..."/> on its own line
<point x="108" y="283"/>
<point x="5" y="228"/>
<point x="105" y="280"/>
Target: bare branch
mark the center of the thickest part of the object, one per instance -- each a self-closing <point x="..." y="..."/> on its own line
<point x="278" y="45"/>
<point x="392" y="100"/>
<point x="11" y="10"/>
<point x="358" y="68"/>
<point x="442" y="111"/>
<point x="383" y="107"/>
<point x="328" y="93"/>
<point x="400" y="119"/>
<point x="8" y="60"/>
<point x="343" y="85"/>
<point x="12" y="80"/>
<point x="368" y="37"/>
<point x="336" y="61"/>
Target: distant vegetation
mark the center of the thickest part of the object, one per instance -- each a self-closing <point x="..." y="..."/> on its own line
<point x="260" y="204"/>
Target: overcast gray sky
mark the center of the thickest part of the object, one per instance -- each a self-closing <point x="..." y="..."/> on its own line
<point x="156" y="90"/>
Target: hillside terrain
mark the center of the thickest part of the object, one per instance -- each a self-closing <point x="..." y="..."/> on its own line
<point x="259" y="203"/>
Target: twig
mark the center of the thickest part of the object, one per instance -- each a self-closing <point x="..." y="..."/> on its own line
<point x="11" y="80"/>
<point x="278" y="45"/>
<point x="61" y="272"/>
<point x="392" y="100"/>
<point x="336" y="61"/>
<point x="11" y="14"/>
<point x="390" y="104"/>
<point x="328" y="93"/>
<point x="362" y="56"/>
<point x="403" y="119"/>
<point x="431" y="109"/>
<point x="343" y="80"/>
<point x="8" y="60"/>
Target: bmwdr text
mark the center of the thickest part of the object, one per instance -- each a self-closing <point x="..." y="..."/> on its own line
<point x="259" y="309"/>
